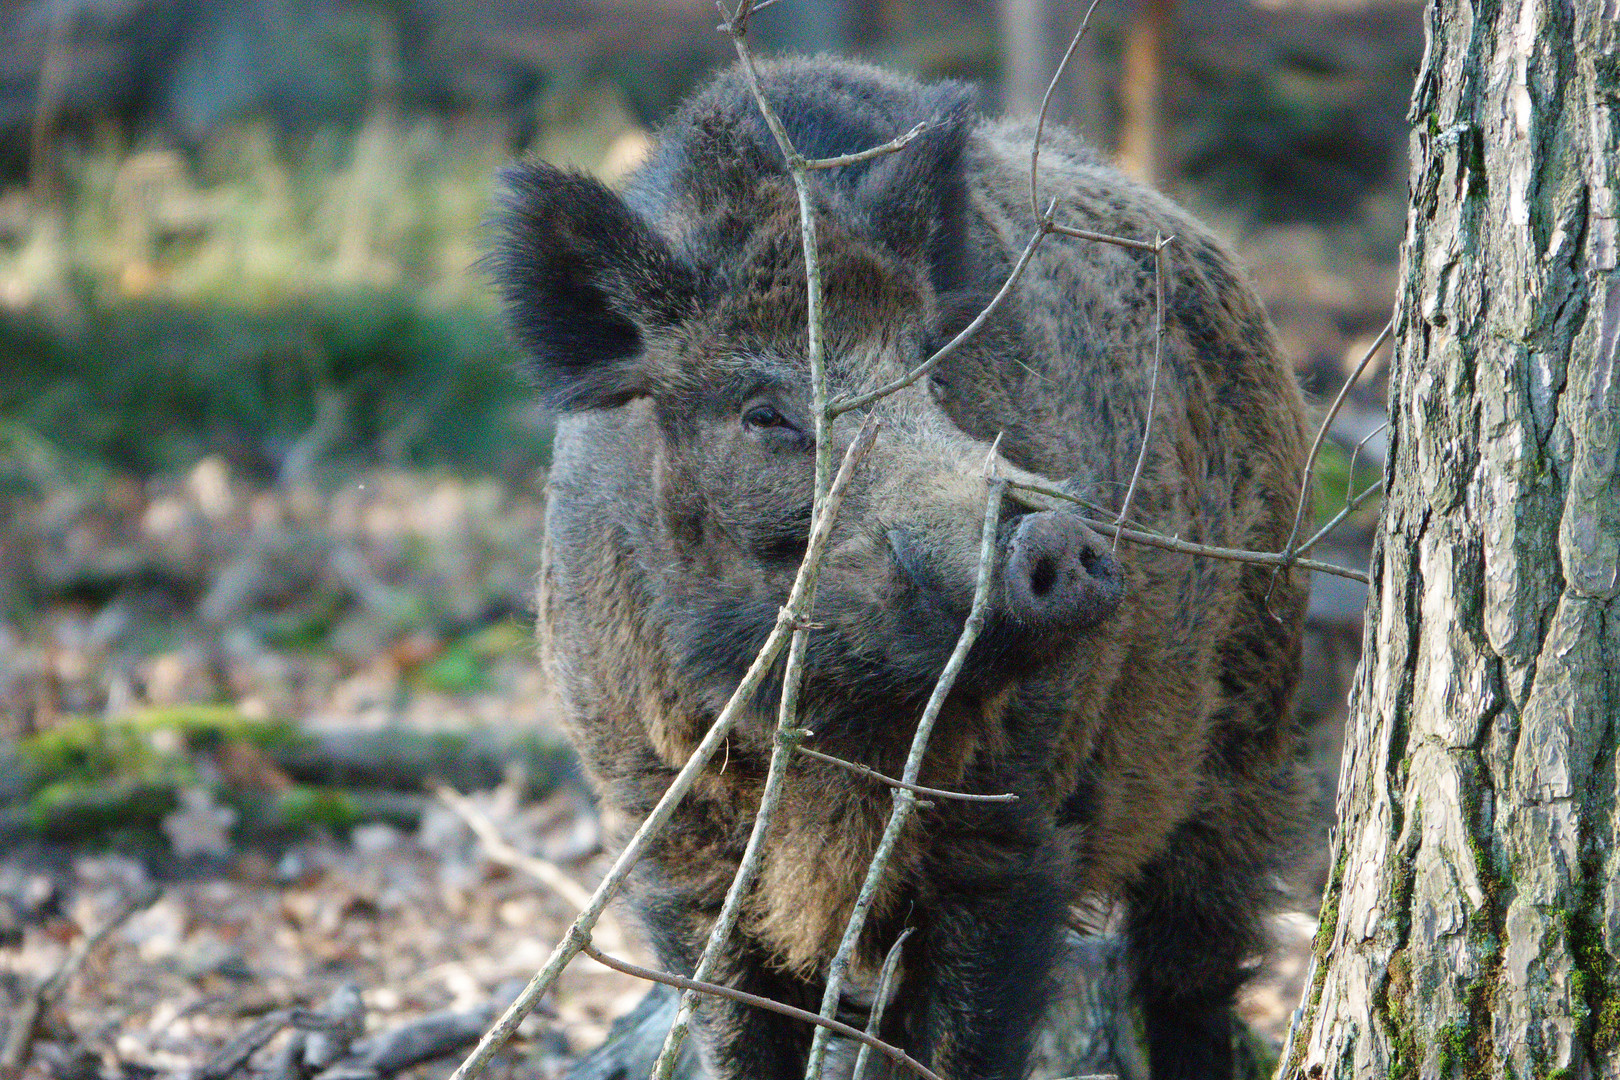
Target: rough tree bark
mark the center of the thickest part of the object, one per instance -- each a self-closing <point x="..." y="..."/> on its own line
<point x="1472" y="925"/>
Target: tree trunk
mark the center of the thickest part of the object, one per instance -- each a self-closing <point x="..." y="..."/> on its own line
<point x="1472" y="924"/>
<point x="1141" y="128"/>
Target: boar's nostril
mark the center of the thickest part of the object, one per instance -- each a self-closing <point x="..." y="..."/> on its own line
<point x="1043" y="577"/>
<point x="1059" y="575"/>
<point x="1089" y="559"/>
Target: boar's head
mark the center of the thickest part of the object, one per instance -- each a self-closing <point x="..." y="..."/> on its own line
<point x="690" y="291"/>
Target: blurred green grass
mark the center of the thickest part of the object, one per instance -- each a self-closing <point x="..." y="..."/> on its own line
<point x="287" y="300"/>
<point x="360" y="375"/>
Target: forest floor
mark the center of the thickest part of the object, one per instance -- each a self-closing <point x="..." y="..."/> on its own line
<point x="209" y="605"/>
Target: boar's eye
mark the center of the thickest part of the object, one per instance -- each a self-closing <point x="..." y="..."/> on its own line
<point x="761" y="417"/>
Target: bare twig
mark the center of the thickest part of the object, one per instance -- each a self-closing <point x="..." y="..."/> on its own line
<point x="1046" y="103"/>
<point x="737" y="24"/>
<point x="691" y="985"/>
<point x="880" y="998"/>
<point x="1104" y="238"/>
<point x="578" y="934"/>
<point x="1352" y="501"/>
<point x="725" y="27"/>
<point x="1351" y="505"/>
<point x="1355" y="452"/>
<point x="905" y="801"/>
<point x="894" y="145"/>
<point x="919" y="789"/>
<point x="544" y="871"/>
<point x="921" y="370"/>
<point x="20" y="1037"/>
<point x="1159" y="244"/>
<point x="1316" y="448"/>
<point x="1187" y="547"/>
<point x="1044" y="226"/>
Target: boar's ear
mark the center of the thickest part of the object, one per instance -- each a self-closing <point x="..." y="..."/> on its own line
<point x="586" y="283"/>
<point x="916" y="198"/>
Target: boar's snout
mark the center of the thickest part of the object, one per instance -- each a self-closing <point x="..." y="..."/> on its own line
<point x="1059" y="574"/>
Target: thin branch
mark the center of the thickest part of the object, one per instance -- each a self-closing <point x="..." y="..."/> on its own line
<point x="1187" y="547"/>
<point x="578" y="935"/>
<point x="838" y="408"/>
<point x="1044" y="226"/>
<point x="919" y="789"/>
<point x="725" y="27"/>
<point x="1159" y="245"/>
<point x="1104" y="238"/>
<point x="786" y="736"/>
<point x="1351" y="506"/>
<point x="693" y="986"/>
<point x="1046" y="102"/>
<point x="1352" y="501"/>
<point x="880" y="997"/>
<point x="1355" y="452"/>
<point x="499" y="850"/>
<point x="738" y="29"/>
<point x="1305" y="495"/>
<point x="905" y="801"/>
<point x="547" y="873"/>
<point x="894" y="145"/>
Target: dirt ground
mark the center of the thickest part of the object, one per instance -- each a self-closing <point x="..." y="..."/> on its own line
<point x="419" y="922"/>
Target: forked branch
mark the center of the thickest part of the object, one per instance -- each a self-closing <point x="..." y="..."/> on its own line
<point x="1305" y="490"/>
<point x="1187" y="547"/>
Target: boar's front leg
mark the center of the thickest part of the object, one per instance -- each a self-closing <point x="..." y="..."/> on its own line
<point x="1193" y="924"/>
<point x="735" y="1041"/>
<point x="980" y="976"/>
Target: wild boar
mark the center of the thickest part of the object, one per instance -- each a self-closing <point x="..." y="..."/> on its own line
<point x="1135" y="699"/>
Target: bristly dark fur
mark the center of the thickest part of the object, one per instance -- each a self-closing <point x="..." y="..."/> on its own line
<point x="717" y="149"/>
<point x="1139" y="708"/>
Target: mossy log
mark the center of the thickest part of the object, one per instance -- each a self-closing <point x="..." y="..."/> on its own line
<point x="89" y="779"/>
